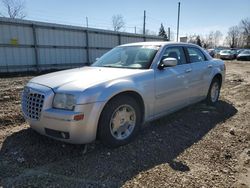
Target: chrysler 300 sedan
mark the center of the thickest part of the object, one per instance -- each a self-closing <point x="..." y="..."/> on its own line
<point x="127" y="86"/>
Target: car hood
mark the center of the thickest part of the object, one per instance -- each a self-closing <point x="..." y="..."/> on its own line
<point x="82" y="78"/>
<point x="243" y="55"/>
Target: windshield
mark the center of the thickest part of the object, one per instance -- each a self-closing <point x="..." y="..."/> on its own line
<point x="134" y="57"/>
<point x="246" y="52"/>
<point x="226" y="51"/>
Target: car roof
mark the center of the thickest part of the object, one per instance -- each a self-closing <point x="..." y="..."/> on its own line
<point x="158" y="43"/>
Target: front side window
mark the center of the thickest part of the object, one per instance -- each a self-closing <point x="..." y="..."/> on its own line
<point x="195" y="55"/>
<point x="175" y="52"/>
<point x="133" y="57"/>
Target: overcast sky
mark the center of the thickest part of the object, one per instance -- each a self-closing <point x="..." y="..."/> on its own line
<point x="197" y="16"/>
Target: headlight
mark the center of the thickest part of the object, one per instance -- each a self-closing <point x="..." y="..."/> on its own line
<point x="64" y="101"/>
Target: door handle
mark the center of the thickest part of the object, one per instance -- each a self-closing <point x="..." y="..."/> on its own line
<point x="210" y="66"/>
<point x="188" y="70"/>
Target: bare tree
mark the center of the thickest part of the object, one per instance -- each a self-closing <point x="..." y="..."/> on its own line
<point x="118" y="22"/>
<point x="192" y="38"/>
<point x="245" y="25"/>
<point x="208" y="40"/>
<point x="217" y="38"/>
<point x="212" y="39"/>
<point x="14" y="8"/>
<point x="242" y="40"/>
<point x="233" y="36"/>
<point x="245" y="32"/>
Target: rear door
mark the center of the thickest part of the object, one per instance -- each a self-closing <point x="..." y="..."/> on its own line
<point x="201" y="69"/>
<point x="172" y="83"/>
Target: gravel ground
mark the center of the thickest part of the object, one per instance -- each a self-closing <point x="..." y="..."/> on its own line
<point x="199" y="146"/>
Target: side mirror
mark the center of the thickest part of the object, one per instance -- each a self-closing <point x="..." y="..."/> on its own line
<point x="168" y="62"/>
<point x="96" y="59"/>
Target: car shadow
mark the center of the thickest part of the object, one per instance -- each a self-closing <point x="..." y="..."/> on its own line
<point x="159" y="142"/>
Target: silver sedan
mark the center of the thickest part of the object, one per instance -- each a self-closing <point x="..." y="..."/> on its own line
<point x="227" y="55"/>
<point x="126" y="87"/>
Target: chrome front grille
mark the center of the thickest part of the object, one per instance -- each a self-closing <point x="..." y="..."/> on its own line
<point x="32" y="103"/>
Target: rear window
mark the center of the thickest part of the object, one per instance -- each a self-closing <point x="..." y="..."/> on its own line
<point x="195" y="55"/>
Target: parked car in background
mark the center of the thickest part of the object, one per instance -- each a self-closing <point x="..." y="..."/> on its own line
<point x="217" y="52"/>
<point x="127" y="86"/>
<point x="234" y="52"/>
<point x="244" y="55"/>
<point x="227" y="54"/>
<point x="211" y="52"/>
<point x="239" y="51"/>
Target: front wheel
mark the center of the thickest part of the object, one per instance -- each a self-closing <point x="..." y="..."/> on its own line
<point x="120" y="121"/>
<point x="213" y="92"/>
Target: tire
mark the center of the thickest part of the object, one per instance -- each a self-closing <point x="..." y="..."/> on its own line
<point x="213" y="92"/>
<point x="119" y="122"/>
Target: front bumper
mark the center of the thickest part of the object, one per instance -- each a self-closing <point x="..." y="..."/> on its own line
<point x="61" y="124"/>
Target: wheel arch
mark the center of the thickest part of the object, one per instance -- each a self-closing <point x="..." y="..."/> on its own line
<point x="219" y="77"/>
<point x="216" y="76"/>
<point x="130" y="93"/>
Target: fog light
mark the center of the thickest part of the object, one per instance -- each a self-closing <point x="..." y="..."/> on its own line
<point x="79" y="117"/>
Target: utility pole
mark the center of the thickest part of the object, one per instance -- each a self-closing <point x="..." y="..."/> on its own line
<point x="87" y="22"/>
<point x="135" y="29"/>
<point x="144" y="23"/>
<point x="169" y="34"/>
<point x="178" y="21"/>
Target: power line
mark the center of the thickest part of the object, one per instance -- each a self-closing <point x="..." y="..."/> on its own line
<point x="133" y="27"/>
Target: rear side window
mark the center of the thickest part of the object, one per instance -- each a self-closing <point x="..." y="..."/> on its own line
<point x="195" y="55"/>
<point x="175" y="52"/>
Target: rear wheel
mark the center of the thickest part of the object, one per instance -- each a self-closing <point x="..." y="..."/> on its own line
<point x="213" y="92"/>
<point x="120" y="121"/>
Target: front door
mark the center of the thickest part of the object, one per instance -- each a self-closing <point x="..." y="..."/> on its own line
<point x="172" y="83"/>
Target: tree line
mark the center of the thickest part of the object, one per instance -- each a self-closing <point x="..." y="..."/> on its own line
<point x="238" y="36"/>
